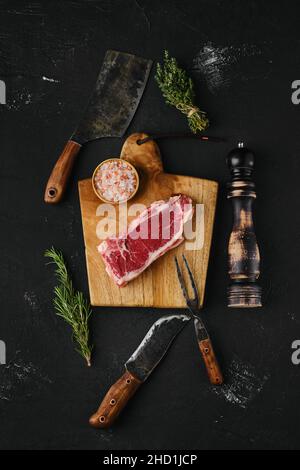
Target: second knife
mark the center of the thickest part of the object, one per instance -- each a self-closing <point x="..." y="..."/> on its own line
<point x="138" y="368"/>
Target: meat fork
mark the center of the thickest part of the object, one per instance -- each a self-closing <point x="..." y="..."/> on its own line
<point x="203" y="339"/>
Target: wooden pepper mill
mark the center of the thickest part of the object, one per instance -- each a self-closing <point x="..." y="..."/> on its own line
<point x="243" y="251"/>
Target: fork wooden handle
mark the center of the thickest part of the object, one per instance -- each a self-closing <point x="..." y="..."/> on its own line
<point x="213" y="369"/>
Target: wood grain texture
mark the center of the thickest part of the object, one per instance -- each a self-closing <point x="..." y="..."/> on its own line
<point x="243" y="250"/>
<point x="59" y="177"/>
<point x="212" y="367"/>
<point x="114" y="401"/>
<point x="158" y="285"/>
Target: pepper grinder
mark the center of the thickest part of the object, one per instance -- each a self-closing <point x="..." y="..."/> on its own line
<point x="243" y="251"/>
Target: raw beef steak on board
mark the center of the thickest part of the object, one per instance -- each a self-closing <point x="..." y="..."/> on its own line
<point x="154" y="232"/>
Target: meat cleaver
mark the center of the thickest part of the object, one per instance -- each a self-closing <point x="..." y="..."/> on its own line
<point x="138" y="368"/>
<point x="112" y="105"/>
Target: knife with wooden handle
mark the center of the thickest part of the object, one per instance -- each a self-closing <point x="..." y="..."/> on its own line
<point x="138" y="368"/>
<point x="61" y="172"/>
<point x="115" y="98"/>
<point x="115" y="400"/>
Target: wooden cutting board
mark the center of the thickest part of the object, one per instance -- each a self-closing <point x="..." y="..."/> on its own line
<point x="157" y="286"/>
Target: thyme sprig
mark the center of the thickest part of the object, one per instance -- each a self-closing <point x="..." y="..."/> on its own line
<point x="71" y="305"/>
<point x="178" y="90"/>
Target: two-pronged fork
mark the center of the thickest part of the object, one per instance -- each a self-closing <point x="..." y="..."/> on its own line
<point x="203" y="339"/>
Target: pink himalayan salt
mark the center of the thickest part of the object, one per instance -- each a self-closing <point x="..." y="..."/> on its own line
<point x="115" y="181"/>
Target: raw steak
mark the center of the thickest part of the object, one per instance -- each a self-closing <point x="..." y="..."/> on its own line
<point x="154" y="232"/>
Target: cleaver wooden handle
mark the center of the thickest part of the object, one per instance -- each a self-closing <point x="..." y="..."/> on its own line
<point x="114" y="401"/>
<point x="212" y="367"/>
<point x="60" y="174"/>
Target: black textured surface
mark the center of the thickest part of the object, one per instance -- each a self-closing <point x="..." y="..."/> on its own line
<point x="243" y="57"/>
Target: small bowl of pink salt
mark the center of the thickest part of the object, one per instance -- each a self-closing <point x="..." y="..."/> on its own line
<point x="115" y="181"/>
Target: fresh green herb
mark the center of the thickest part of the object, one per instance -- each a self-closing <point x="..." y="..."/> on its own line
<point x="178" y="90"/>
<point x="71" y="305"/>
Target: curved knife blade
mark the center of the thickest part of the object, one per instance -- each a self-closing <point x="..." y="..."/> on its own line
<point x="155" y="345"/>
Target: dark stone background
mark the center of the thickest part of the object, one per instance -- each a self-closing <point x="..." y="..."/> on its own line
<point x="46" y="392"/>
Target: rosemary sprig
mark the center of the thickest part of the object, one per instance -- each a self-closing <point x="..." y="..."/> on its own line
<point x="178" y="90"/>
<point x="71" y="305"/>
